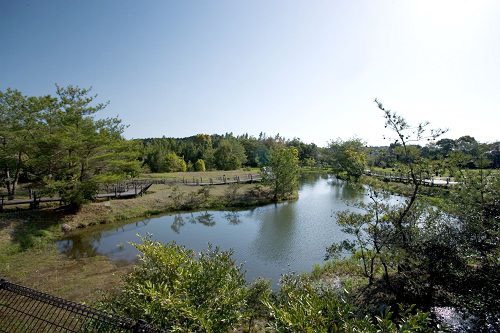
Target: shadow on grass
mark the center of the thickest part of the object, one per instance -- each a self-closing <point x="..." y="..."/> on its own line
<point x="30" y="228"/>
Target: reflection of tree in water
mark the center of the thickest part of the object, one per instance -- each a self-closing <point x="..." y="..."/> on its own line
<point x="275" y="240"/>
<point x="206" y="219"/>
<point x="79" y="247"/>
<point x="233" y="218"/>
<point x="178" y="223"/>
<point x="347" y="191"/>
<point x="144" y="223"/>
<point x="309" y="178"/>
<point x="192" y="219"/>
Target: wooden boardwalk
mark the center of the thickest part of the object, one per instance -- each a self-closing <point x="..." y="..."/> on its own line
<point x="201" y="181"/>
<point x="118" y="192"/>
<point x="235" y="180"/>
<point x="405" y="179"/>
<point x="137" y="187"/>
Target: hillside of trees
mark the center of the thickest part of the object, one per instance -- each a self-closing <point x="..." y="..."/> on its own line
<point x="223" y="152"/>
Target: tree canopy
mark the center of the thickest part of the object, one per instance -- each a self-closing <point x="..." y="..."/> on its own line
<point x="282" y="171"/>
<point x="57" y="143"/>
<point x="229" y="155"/>
<point x="348" y="157"/>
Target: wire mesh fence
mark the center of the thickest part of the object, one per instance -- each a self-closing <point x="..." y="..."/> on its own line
<point x="26" y="310"/>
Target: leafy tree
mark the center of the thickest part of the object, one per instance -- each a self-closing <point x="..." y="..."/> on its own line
<point x="423" y="255"/>
<point x="176" y="290"/>
<point x="199" y="165"/>
<point x="19" y="129"/>
<point x="253" y="149"/>
<point x="310" y="162"/>
<point x="306" y="151"/>
<point x="152" y="156"/>
<point x="57" y="143"/>
<point x="348" y="157"/>
<point x="475" y="205"/>
<point x="493" y="154"/>
<point x="281" y="174"/>
<point x="445" y="146"/>
<point x="173" y="163"/>
<point x="230" y="155"/>
<point x="87" y="151"/>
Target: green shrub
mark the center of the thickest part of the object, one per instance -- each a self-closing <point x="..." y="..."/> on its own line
<point x="74" y="193"/>
<point x="199" y="165"/>
<point x="258" y="293"/>
<point x="151" y="212"/>
<point x="178" y="291"/>
<point x="301" y="307"/>
<point x="174" y="163"/>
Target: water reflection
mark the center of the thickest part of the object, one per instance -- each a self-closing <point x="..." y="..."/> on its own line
<point x="177" y="223"/>
<point x="233" y="218"/>
<point x="276" y="233"/>
<point x="179" y="220"/>
<point x="78" y="247"/>
<point x="206" y="219"/>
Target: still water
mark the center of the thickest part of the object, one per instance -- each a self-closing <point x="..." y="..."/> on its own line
<point x="269" y="240"/>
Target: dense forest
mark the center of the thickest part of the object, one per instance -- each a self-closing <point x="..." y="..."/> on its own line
<point x="229" y="152"/>
<point x="223" y="152"/>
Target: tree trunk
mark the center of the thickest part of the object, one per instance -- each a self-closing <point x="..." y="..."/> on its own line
<point x="8" y="184"/>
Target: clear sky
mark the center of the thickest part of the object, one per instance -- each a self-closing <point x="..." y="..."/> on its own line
<point x="307" y="69"/>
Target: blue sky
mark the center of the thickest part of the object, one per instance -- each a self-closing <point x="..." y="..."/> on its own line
<point x="307" y="69"/>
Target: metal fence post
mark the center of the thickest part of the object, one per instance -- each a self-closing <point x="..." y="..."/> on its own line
<point x="139" y="326"/>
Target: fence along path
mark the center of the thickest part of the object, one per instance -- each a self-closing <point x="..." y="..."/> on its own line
<point x="115" y="191"/>
<point x="204" y="181"/>
<point x="400" y="178"/>
<point x="26" y="310"/>
<point x="137" y="187"/>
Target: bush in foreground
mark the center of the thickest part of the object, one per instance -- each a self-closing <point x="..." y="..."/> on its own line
<point x="176" y="290"/>
<point x="173" y="289"/>
<point x="300" y="306"/>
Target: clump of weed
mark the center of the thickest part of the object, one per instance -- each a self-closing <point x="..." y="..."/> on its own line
<point x="152" y="212"/>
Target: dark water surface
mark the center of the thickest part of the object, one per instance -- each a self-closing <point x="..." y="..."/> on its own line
<point x="269" y="240"/>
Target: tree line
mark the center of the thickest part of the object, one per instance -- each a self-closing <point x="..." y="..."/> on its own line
<point x="465" y="151"/>
<point x="221" y="152"/>
<point x="350" y="157"/>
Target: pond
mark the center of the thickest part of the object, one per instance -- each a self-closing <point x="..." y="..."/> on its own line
<point x="269" y="240"/>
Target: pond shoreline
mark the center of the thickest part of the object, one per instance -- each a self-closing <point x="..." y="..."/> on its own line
<point x="166" y="199"/>
<point x="28" y="252"/>
<point x="269" y="239"/>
